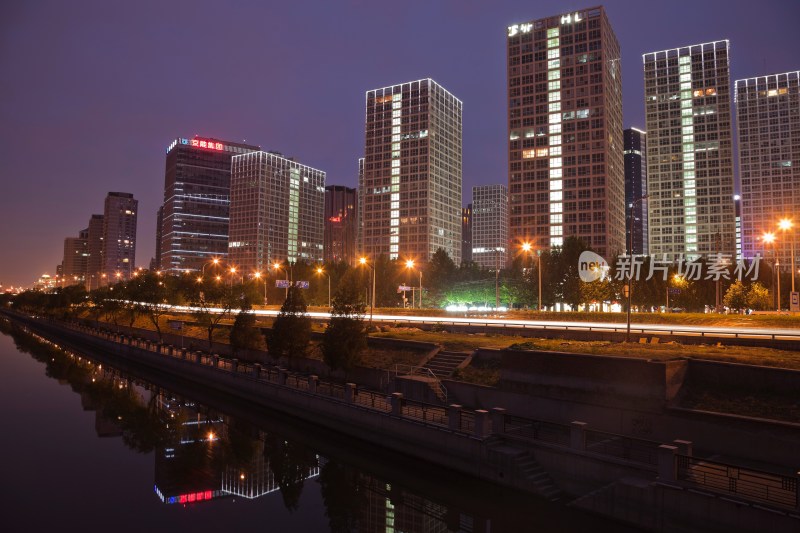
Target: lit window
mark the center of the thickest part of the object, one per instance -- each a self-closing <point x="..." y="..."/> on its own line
<point x="528" y="154"/>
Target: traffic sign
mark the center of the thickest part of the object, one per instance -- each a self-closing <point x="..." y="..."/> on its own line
<point x="301" y="284"/>
<point x="674" y="291"/>
<point x="283" y="283"/>
<point x="402" y="288"/>
<point x="794" y="303"/>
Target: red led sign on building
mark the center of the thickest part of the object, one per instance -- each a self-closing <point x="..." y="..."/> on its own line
<point x="201" y="143"/>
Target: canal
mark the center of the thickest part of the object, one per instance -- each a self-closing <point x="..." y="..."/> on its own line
<point x="90" y="446"/>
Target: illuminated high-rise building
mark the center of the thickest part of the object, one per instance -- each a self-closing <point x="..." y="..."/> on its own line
<point x="94" y="243"/>
<point x="490" y="226"/>
<point x="466" y="234"/>
<point x="690" y="178"/>
<point x="566" y="171"/>
<point x="341" y="224"/>
<point x="635" y="141"/>
<point x="75" y="264"/>
<point x="768" y="127"/>
<point x="119" y="237"/>
<point x="411" y="194"/>
<point x="193" y="221"/>
<point x="276" y="211"/>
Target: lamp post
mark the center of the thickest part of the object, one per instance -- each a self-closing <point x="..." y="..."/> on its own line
<point x="630" y="254"/>
<point x="528" y="247"/>
<point x="769" y="238"/>
<point x="214" y="262"/>
<point x="257" y="275"/>
<point x="363" y="261"/>
<point x="410" y="265"/>
<point x="286" y="271"/>
<point x="785" y="225"/>
<point x="321" y="271"/>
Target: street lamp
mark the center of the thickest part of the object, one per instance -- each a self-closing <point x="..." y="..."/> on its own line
<point x="769" y="238"/>
<point x="786" y="225"/>
<point x="214" y="262"/>
<point x="410" y="266"/>
<point x="287" y="272"/>
<point x="528" y="247"/>
<point x="630" y="254"/>
<point x="257" y="275"/>
<point x="321" y="271"/>
<point x="363" y="261"/>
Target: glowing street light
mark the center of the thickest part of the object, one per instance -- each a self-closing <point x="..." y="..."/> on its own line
<point x="321" y="271"/>
<point x="769" y="238"/>
<point x="363" y="262"/>
<point x="528" y="247"/>
<point x="257" y="275"/>
<point x="410" y="266"/>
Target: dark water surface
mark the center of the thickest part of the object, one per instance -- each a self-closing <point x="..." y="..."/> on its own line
<point x="88" y="447"/>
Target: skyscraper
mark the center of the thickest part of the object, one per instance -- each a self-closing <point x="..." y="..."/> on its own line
<point x="566" y="174"/>
<point x="466" y="234"/>
<point x="341" y="223"/>
<point x="119" y="236"/>
<point x="194" y="217"/>
<point x="411" y="193"/>
<point x="94" y="275"/>
<point x="276" y="211"/>
<point x="490" y="226"/>
<point x="689" y="150"/>
<point x="635" y="142"/>
<point x="768" y="127"/>
<point x="75" y="264"/>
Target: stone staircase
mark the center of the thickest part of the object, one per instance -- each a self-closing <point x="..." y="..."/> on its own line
<point x="444" y="363"/>
<point x="523" y="466"/>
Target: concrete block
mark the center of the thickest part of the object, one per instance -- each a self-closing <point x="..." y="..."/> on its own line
<point x="577" y="435"/>
<point x="498" y="420"/>
<point x="481" y="423"/>
<point x="397" y="404"/>
<point x="667" y="464"/>
<point x="454" y="417"/>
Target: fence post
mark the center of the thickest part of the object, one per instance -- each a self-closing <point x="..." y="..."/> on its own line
<point x="397" y="403"/>
<point x="256" y="370"/>
<point x="282" y="375"/>
<point x="183" y="353"/>
<point x="350" y="392"/>
<point x="481" y="423"/>
<point x="667" y="468"/>
<point x="234" y="365"/>
<point x="498" y="420"/>
<point x="797" y="490"/>
<point x="313" y="381"/>
<point x="684" y="447"/>
<point x="215" y="360"/>
<point x="454" y="417"/>
<point x="577" y="436"/>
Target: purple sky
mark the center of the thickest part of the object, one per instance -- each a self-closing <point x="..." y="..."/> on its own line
<point x="94" y="91"/>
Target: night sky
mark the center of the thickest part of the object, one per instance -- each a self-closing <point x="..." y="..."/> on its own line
<point x="94" y="91"/>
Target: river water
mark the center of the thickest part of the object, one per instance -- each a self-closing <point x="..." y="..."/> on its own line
<point x="91" y="447"/>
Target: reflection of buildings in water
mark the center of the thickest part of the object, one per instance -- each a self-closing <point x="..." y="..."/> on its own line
<point x="194" y="467"/>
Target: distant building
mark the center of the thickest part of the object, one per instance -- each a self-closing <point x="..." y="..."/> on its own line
<point x="466" y="234"/>
<point x="689" y="151"/>
<point x="566" y="170"/>
<point x="768" y="130"/>
<point x="410" y="195"/>
<point x="75" y="264"/>
<point x="341" y="224"/>
<point x="194" y="218"/>
<point x="490" y="226"/>
<point x="119" y="236"/>
<point x="635" y="144"/>
<point x="94" y="243"/>
<point x="276" y="211"/>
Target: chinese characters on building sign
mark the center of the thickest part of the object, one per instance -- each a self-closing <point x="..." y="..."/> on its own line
<point x="197" y="143"/>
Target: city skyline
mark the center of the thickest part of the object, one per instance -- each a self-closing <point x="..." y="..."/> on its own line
<point x="103" y="100"/>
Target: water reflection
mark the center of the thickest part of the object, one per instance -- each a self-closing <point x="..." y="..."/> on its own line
<point x="203" y="454"/>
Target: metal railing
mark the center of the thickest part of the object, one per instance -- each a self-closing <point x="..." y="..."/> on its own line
<point x="424" y="411"/>
<point x="750" y="484"/>
<point x="622" y="447"/>
<point x="408" y="370"/>
<point x="538" y="430"/>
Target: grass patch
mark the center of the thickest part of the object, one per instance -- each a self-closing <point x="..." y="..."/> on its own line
<point x="479" y="373"/>
<point x="763" y="404"/>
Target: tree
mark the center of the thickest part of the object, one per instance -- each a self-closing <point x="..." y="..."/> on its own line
<point x="736" y="296"/>
<point x="244" y="334"/>
<point x="149" y="294"/>
<point x="212" y="302"/>
<point x="345" y="336"/>
<point x="758" y="297"/>
<point x="291" y="331"/>
<point x="439" y="276"/>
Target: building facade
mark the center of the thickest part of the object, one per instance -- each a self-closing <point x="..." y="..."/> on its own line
<point x="194" y="217"/>
<point x="410" y="196"/>
<point x="566" y="173"/>
<point x="94" y="274"/>
<point x="341" y="224"/>
<point x="119" y="237"/>
<point x="466" y="234"/>
<point x="276" y="211"/>
<point x="636" y="229"/>
<point x="490" y="226"/>
<point x="75" y="264"/>
<point x="768" y="128"/>
<point x="689" y="151"/>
